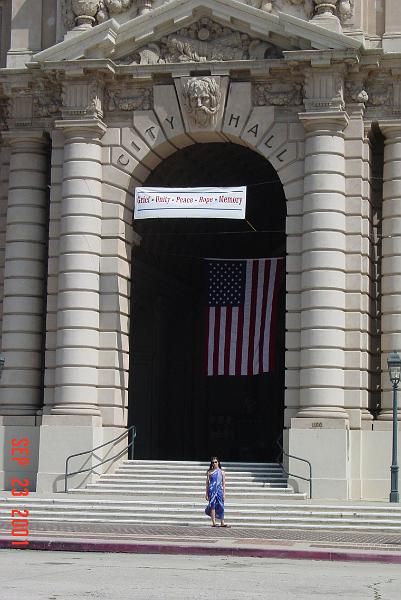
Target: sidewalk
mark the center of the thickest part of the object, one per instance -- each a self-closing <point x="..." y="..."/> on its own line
<point x="205" y="540"/>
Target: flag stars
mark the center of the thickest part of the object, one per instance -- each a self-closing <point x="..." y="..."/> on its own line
<point x="226" y="282"/>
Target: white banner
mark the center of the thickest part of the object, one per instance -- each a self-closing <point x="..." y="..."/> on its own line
<point x="190" y="203"/>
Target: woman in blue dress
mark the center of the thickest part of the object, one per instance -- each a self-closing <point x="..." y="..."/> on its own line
<point x="215" y="492"/>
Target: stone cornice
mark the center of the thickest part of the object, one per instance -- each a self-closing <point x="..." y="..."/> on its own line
<point x="322" y="58"/>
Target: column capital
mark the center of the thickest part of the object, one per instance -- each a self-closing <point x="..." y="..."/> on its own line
<point x="25" y="136"/>
<point x="324" y="120"/>
<point x="93" y="128"/>
<point x="391" y="128"/>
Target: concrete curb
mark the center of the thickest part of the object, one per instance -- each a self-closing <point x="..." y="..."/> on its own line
<point x="181" y="549"/>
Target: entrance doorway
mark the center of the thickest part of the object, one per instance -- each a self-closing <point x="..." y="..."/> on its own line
<point x="179" y="412"/>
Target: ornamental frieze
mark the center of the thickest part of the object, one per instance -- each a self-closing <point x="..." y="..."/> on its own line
<point x="203" y="41"/>
<point x="380" y="90"/>
<point x="46" y="100"/>
<point x="277" y="93"/>
<point x="355" y="92"/>
<point x="4" y="113"/>
<point x="122" y="99"/>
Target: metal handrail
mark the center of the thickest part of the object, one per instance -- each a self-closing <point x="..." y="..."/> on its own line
<point x="309" y="479"/>
<point x="130" y="446"/>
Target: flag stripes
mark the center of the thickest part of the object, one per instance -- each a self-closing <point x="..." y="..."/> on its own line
<point x="242" y="315"/>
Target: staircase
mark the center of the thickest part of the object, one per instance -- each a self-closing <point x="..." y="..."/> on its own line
<point x="177" y="479"/>
<point x="173" y="493"/>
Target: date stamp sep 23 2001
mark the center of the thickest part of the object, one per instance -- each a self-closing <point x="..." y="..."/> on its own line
<point x="20" y="488"/>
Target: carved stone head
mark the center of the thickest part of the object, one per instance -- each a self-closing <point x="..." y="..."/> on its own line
<point x="202" y="97"/>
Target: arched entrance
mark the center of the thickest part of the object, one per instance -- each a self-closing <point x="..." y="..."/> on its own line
<point x="179" y="412"/>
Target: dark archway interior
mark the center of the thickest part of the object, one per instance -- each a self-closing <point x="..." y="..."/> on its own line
<point x="179" y="412"/>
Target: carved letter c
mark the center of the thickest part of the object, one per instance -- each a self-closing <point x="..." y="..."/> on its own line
<point x="123" y="160"/>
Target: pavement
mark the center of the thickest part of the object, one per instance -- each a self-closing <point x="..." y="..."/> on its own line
<point x="102" y="576"/>
<point x="309" y="544"/>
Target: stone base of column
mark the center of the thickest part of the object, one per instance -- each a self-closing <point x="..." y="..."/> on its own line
<point x="346" y="464"/>
<point x="17" y="429"/>
<point x="376" y="457"/>
<point x="325" y="443"/>
<point x="61" y="436"/>
<point x="385" y="425"/>
<point x="386" y="415"/>
<point x="323" y="412"/>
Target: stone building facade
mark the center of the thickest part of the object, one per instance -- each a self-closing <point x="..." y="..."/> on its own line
<point x="95" y="96"/>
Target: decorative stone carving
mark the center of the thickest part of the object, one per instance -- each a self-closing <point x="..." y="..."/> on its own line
<point x="380" y="91"/>
<point x="144" y="6"/>
<point x="324" y="90"/>
<point x="355" y="92"/>
<point x="4" y="113"/>
<point x="116" y="7"/>
<point x="21" y="103"/>
<point x="120" y="99"/>
<point x="277" y="93"/>
<point x="325" y="7"/>
<point x="203" y="41"/>
<point x="202" y="96"/>
<point x="299" y="8"/>
<point x="343" y="9"/>
<point x="396" y="91"/>
<point x="46" y="100"/>
<point x="82" y="99"/>
<point x="86" y="13"/>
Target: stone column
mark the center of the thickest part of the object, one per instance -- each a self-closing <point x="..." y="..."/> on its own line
<point x="74" y="413"/>
<point x="24" y="299"/>
<point x="79" y="260"/>
<point x="319" y="432"/>
<point x="391" y="258"/>
<point x="25" y="274"/>
<point x="323" y="268"/>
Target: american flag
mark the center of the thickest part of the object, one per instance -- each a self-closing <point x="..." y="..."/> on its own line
<point x="241" y="319"/>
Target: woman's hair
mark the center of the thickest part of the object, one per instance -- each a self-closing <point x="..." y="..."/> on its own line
<point x="211" y="462"/>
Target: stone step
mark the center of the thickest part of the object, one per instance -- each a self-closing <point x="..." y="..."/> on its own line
<point x="152" y="491"/>
<point x="197" y="477"/>
<point x="193" y="483"/>
<point x="201" y="476"/>
<point x="299" y="507"/>
<point x="194" y="511"/>
<point x="286" y="522"/>
<point x="190" y="471"/>
<point x="165" y="464"/>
